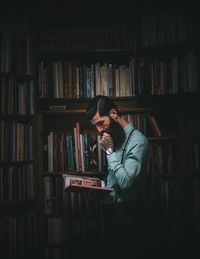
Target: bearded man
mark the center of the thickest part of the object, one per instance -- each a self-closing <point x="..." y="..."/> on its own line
<point x="127" y="151"/>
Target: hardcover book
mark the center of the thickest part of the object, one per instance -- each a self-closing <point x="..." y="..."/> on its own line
<point x="77" y="183"/>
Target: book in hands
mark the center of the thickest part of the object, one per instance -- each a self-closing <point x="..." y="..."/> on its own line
<point x="78" y="183"/>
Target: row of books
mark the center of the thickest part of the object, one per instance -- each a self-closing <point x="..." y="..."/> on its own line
<point x="172" y="27"/>
<point x="59" y="230"/>
<point x="88" y="38"/>
<point x="16" y="141"/>
<point x="73" y="152"/>
<point x="155" y="29"/>
<point x="65" y="79"/>
<point x="16" y="183"/>
<point x="55" y="198"/>
<point x="90" y="229"/>
<point x="73" y="194"/>
<point x="16" y="97"/>
<point x="163" y="158"/>
<point x="159" y="75"/>
<point x="83" y="213"/>
<point x="145" y="122"/>
<point x="18" y="236"/>
<point x="80" y="151"/>
<point x="153" y="75"/>
<point x="163" y="194"/>
<point x="15" y="53"/>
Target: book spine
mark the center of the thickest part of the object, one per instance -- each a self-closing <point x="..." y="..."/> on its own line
<point x="76" y="149"/>
<point x="77" y="126"/>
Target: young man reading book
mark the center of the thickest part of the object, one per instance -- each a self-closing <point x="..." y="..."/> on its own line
<point x="127" y="152"/>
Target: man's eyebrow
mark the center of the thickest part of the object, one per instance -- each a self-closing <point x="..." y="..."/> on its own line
<point x="97" y="121"/>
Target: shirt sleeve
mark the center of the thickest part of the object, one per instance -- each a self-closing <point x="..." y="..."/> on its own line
<point x="132" y="170"/>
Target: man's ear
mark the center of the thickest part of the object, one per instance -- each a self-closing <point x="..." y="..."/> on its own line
<point x="113" y="114"/>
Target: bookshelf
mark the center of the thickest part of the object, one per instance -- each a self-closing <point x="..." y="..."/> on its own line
<point x="159" y="68"/>
<point x="17" y="152"/>
<point x="81" y="217"/>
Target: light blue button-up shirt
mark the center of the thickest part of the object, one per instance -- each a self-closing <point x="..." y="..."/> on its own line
<point x="127" y="177"/>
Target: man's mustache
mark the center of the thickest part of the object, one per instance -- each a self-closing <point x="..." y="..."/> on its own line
<point x="105" y="131"/>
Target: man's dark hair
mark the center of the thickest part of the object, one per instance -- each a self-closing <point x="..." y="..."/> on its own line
<point x="102" y="104"/>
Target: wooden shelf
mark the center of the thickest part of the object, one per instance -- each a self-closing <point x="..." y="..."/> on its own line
<point x="16" y="163"/>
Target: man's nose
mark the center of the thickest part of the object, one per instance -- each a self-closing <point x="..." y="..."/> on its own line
<point x="100" y="129"/>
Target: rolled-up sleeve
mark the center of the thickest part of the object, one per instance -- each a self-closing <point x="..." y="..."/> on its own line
<point x="130" y="172"/>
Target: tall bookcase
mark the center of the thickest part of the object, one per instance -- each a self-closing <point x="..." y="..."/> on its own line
<point x="17" y="152"/>
<point x="63" y="215"/>
<point x="149" y="66"/>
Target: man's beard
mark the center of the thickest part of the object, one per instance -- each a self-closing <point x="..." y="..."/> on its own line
<point x="117" y="133"/>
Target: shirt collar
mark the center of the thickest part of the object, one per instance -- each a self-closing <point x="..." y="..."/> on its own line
<point x="128" y="128"/>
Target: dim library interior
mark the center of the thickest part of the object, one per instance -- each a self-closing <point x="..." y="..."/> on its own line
<point x="54" y="58"/>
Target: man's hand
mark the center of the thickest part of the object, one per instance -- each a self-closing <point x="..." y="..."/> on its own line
<point x="106" y="143"/>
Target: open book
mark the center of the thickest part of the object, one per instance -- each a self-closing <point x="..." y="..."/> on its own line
<point x="77" y="183"/>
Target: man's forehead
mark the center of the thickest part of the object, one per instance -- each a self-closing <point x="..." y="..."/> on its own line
<point x="97" y="118"/>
